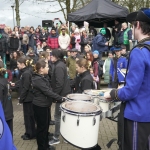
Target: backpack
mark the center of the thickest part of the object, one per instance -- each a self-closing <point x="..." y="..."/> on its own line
<point x="100" y="67"/>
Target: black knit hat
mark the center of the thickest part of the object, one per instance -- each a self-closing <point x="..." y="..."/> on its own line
<point x="141" y="15"/>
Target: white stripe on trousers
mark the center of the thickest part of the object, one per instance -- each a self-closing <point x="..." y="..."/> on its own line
<point x="134" y="136"/>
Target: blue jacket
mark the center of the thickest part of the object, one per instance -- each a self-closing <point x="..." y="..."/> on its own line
<point x="136" y="92"/>
<point x="99" y="43"/>
<point x="121" y="64"/>
<point x="6" y="141"/>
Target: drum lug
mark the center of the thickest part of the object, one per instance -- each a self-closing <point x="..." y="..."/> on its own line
<point x="63" y="117"/>
<point x="78" y="120"/>
<point x="94" y="121"/>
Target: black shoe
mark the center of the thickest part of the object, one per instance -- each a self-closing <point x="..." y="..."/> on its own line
<point x="26" y="137"/>
<point x="50" y="136"/>
<point x="52" y="122"/>
<point x="51" y="148"/>
<point x="23" y="136"/>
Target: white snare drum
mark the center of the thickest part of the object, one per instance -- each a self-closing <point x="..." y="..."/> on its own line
<point x="95" y="94"/>
<point x="80" y="123"/>
<point x="79" y="97"/>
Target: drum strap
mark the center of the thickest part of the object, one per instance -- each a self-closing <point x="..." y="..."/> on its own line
<point x="121" y="126"/>
<point x="120" y="129"/>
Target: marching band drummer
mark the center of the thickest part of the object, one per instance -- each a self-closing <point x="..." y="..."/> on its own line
<point x="42" y="101"/>
<point x="117" y="63"/>
<point x="134" y="116"/>
<point x="86" y="81"/>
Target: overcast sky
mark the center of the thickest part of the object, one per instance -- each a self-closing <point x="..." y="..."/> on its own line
<point x="31" y="13"/>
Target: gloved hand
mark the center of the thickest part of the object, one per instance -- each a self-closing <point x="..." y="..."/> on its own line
<point x="62" y="100"/>
<point x="107" y="95"/>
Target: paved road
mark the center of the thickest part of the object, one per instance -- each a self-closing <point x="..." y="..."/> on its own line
<point x="107" y="131"/>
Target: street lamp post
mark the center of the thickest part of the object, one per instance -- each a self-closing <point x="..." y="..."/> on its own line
<point x="13" y="15"/>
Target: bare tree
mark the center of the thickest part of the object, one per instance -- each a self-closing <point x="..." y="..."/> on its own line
<point x="133" y="5"/>
<point x="67" y="6"/>
<point x="17" y="4"/>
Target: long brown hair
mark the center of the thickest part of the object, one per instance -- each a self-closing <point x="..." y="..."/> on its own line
<point x="2" y="69"/>
<point x="91" y="56"/>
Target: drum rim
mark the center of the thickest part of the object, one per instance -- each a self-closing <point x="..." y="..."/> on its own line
<point x="79" y="94"/>
<point x="95" y="113"/>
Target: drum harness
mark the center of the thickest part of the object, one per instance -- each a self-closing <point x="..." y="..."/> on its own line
<point x="120" y="124"/>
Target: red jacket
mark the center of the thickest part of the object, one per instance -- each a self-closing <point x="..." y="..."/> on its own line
<point x="52" y="42"/>
<point x="95" y="68"/>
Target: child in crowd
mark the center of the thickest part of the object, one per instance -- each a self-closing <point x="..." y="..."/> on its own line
<point x="96" y="79"/>
<point x="39" y="48"/>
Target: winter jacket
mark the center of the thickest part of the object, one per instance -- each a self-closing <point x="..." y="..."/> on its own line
<point x="6" y="99"/>
<point x="72" y="42"/>
<point x="136" y="92"/>
<point x="26" y="94"/>
<point x="115" y="33"/>
<point x="84" y="41"/>
<point x="59" y="79"/>
<point x="64" y="41"/>
<point x="32" y="41"/>
<point x="86" y="82"/>
<point x="5" y="42"/>
<point x="71" y="64"/>
<point x="99" y="43"/>
<point x="115" y="69"/>
<point x="43" y="36"/>
<point x="13" y="44"/>
<point x="42" y="90"/>
<point x="106" y="70"/>
<point x="121" y="36"/>
<point x="53" y="41"/>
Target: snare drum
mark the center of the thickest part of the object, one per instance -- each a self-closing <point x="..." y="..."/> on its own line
<point x="80" y="123"/>
<point x="79" y="97"/>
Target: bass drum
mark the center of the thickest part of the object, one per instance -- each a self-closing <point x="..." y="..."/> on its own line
<point x="79" y="97"/>
<point x="80" y="123"/>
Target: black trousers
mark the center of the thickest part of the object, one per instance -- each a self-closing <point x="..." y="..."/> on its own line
<point x="42" y="115"/>
<point x="29" y="119"/>
<point x="10" y="125"/>
<point x="136" y="135"/>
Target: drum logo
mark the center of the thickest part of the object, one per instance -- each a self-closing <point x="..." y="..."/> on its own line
<point x="1" y="128"/>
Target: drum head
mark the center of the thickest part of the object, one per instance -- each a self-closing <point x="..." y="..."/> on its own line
<point x="80" y="107"/>
<point x="79" y="97"/>
<point x="95" y="92"/>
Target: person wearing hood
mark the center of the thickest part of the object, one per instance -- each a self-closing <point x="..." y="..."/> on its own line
<point x="52" y="41"/>
<point x="100" y="42"/>
<point x="75" y="40"/>
<point x="64" y="40"/>
<point x="134" y="116"/>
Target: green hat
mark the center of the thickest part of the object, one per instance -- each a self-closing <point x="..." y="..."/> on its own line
<point x="103" y="31"/>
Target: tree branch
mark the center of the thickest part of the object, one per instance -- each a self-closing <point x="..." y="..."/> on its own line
<point x="55" y="11"/>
